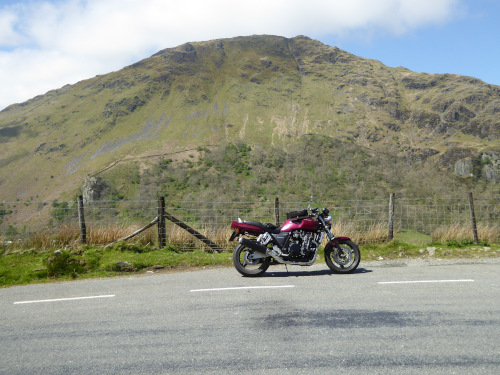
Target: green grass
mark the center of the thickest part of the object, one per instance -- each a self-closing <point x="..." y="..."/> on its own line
<point x="29" y="266"/>
<point x="412" y="236"/>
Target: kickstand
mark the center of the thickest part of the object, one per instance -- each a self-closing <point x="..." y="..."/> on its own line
<point x="287" y="269"/>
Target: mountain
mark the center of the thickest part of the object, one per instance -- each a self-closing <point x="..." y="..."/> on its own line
<point x="268" y="93"/>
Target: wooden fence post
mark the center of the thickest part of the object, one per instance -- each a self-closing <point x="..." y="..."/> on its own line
<point x="162" y="230"/>
<point x="473" y="218"/>
<point x="81" y="219"/>
<point x="390" y="234"/>
<point x="277" y="211"/>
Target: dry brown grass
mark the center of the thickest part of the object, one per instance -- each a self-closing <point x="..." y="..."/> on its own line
<point x="459" y="231"/>
<point x="375" y="233"/>
<point x="177" y="236"/>
<point x="69" y="235"/>
<point x="62" y="236"/>
<point x="106" y="234"/>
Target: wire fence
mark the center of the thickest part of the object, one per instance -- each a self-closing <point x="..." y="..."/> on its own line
<point x="414" y="220"/>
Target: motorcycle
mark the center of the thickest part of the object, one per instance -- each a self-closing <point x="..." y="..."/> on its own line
<point x="296" y="242"/>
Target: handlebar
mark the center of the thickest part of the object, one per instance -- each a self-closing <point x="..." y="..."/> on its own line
<point x="315" y="211"/>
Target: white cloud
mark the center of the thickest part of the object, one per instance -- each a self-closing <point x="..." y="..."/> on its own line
<point x="8" y="37"/>
<point x="46" y="44"/>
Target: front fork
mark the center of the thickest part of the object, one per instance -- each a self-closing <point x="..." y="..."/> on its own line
<point x="329" y="234"/>
<point x="333" y="240"/>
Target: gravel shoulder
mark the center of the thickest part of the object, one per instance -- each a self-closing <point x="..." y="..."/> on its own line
<point x="418" y="262"/>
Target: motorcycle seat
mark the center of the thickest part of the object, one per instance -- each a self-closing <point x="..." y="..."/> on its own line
<point x="268" y="227"/>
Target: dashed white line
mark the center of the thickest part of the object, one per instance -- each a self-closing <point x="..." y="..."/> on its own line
<point x="426" y="281"/>
<point x="63" y="299"/>
<point x="242" y="287"/>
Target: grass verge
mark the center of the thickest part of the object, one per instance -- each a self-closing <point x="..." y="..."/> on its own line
<point x="27" y="266"/>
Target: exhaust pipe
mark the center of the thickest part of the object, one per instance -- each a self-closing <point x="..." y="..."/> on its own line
<point x="270" y="252"/>
<point x="253" y="245"/>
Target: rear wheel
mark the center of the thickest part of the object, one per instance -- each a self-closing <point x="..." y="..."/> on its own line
<point x="249" y="262"/>
<point x="344" y="259"/>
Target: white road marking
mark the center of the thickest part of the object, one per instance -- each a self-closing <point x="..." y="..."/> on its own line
<point x="243" y="287"/>
<point x="426" y="281"/>
<point x="63" y="299"/>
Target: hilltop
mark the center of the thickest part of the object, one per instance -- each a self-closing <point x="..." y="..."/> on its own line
<point x="252" y="117"/>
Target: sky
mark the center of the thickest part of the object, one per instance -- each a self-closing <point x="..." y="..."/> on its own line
<point x="46" y="44"/>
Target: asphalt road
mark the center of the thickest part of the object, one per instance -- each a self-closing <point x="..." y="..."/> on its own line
<point x="384" y="319"/>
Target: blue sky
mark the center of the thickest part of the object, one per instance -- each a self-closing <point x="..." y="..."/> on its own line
<point x="467" y="44"/>
<point x="45" y="44"/>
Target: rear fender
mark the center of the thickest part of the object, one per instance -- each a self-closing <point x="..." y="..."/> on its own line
<point x="244" y="227"/>
<point x="240" y="229"/>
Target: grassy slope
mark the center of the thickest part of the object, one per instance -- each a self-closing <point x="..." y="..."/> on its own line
<point x="262" y="89"/>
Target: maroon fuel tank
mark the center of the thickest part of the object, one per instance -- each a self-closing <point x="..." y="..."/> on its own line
<point x="306" y="224"/>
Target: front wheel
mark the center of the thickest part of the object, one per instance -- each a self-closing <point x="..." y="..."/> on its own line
<point x="249" y="262"/>
<point x="343" y="259"/>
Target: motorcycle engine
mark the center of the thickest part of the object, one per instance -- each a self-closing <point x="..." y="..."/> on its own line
<point x="300" y="245"/>
<point x="294" y="250"/>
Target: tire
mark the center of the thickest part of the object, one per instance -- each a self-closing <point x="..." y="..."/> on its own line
<point x="249" y="267"/>
<point x="344" y="259"/>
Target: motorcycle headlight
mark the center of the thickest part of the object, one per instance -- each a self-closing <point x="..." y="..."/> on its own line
<point x="328" y="220"/>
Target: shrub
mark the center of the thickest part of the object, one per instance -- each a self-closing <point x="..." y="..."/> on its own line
<point x="63" y="263"/>
<point x="133" y="247"/>
<point x="460" y="243"/>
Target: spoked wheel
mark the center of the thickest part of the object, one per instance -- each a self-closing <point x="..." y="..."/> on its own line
<point x="249" y="262"/>
<point x="344" y="259"/>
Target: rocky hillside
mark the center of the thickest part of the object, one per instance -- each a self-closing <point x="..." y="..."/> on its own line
<point x="268" y="92"/>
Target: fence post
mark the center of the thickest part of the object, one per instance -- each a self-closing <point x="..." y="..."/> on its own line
<point x="277" y="210"/>
<point x="162" y="230"/>
<point x="81" y="220"/>
<point x="473" y="218"/>
<point x="390" y="234"/>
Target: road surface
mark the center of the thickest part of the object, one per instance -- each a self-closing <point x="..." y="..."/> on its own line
<point x="386" y="318"/>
